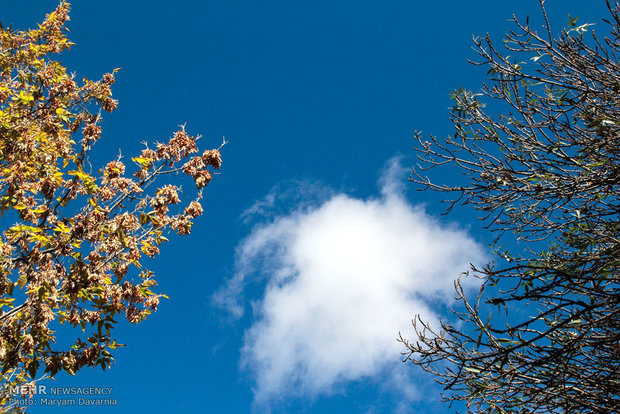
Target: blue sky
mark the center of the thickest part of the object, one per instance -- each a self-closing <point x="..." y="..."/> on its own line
<point x="314" y="251"/>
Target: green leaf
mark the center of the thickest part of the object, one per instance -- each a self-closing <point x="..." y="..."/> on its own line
<point x="506" y="341"/>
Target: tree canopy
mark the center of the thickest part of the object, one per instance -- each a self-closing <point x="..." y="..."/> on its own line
<point x="540" y="147"/>
<point x="74" y="253"/>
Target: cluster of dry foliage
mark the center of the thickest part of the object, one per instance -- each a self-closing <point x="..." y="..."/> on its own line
<point x="543" y="335"/>
<point x="74" y="254"/>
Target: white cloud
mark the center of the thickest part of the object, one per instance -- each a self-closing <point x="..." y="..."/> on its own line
<point x="339" y="281"/>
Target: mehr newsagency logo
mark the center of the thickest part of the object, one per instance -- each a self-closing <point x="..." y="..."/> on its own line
<point x="42" y="395"/>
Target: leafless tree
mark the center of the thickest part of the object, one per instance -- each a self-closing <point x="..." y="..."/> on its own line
<point x="540" y="144"/>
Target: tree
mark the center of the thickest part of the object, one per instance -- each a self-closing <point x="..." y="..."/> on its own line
<point x="76" y="253"/>
<point x="540" y="145"/>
